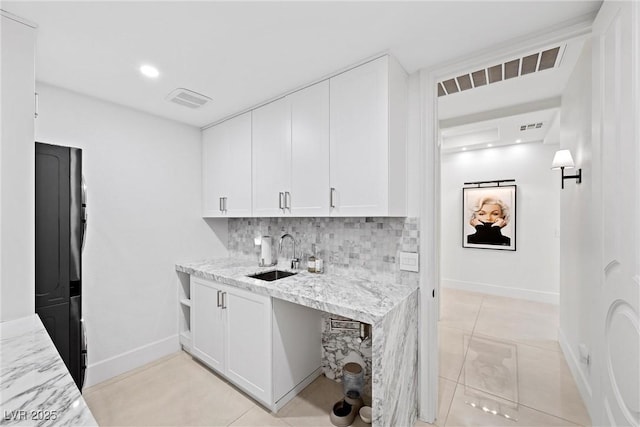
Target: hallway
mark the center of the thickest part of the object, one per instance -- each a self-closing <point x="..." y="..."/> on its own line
<point x="501" y="364"/>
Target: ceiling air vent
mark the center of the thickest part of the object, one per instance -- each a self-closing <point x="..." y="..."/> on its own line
<point x="188" y="98"/>
<point x="518" y="67"/>
<point x="531" y="126"/>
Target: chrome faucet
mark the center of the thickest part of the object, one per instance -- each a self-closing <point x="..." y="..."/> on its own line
<point x="295" y="262"/>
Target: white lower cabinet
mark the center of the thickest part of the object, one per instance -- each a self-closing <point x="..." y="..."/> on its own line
<point x="269" y="348"/>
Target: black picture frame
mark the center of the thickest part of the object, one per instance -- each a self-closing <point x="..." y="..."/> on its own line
<point x="486" y="207"/>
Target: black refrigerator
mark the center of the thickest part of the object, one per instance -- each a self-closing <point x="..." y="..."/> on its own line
<point x="61" y="223"/>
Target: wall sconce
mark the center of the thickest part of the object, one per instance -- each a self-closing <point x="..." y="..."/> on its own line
<point x="562" y="160"/>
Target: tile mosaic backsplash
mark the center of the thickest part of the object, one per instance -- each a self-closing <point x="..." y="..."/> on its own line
<point x="371" y="244"/>
<point x="363" y="243"/>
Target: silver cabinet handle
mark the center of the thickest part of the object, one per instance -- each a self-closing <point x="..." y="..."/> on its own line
<point x="221" y="204"/>
<point x="219" y="303"/>
<point x="224" y="300"/>
<point x="287" y="195"/>
<point x="280" y="197"/>
<point x="224" y="204"/>
<point x="331" y="200"/>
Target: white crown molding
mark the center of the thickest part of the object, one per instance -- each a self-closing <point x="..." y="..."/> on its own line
<point x="19" y="19"/>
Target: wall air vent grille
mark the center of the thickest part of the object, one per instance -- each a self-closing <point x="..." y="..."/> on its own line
<point x="188" y="98"/>
<point x="518" y="67"/>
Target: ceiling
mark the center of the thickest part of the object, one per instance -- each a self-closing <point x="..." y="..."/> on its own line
<point x="492" y="115"/>
<point x="241" y="54"/>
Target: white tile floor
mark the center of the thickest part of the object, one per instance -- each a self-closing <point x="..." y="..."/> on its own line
<point x="502" y="354"/>
<point x="498" y="353"/>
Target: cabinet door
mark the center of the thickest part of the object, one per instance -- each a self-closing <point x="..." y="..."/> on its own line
<point x="359" y="139"/>
<point x="310" y="151"/>
<point x="207" y="323"/>
<point x="271" y="158"/>
<point x="226" y="168"/>
<point x="214" y="151"/>
<point x="249" y="342"/>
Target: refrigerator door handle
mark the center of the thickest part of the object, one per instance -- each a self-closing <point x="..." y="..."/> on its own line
<point x="85" y="215"/>
<point x="83" y="353"/>
<point x="85" y="218"/>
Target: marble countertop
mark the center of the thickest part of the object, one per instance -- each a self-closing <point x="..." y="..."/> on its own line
<point x="35" y="385"/>
<point x="358" y="295"/>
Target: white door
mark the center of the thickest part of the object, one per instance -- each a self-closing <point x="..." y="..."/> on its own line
<point x="310" y="151"/>
<point x="359" y="140"/>
<point x="616" y="134"/>
<point x="271" y="158"/>
<point x="226" y="168"/>
<point x="248" y="342"/>
<point x="237" y="168"/>
<point x="207" y="323"/>
<point x="214" y="151"/>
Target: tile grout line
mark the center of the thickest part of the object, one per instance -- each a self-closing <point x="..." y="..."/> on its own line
<point x="466" y="350"/>
<point x="464" y="359"/>
<point x="241" y="415"/>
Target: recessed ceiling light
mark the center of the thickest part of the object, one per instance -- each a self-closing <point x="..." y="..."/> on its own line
<point x="149" y="71"/>
<point x="464" y="148"/>
<point x="518" y="141"/>
<point x="489" y="145"/>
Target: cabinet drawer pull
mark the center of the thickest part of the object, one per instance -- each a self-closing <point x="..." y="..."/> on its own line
<point x="221" y="204"/>
<point x="280" y="197"/>
<point x="219" y="303"/>
<point x="224" y="199"/>
<point x="287" y="196"/>
<point x="331" y="200"/>
<point x="224" y="300"/>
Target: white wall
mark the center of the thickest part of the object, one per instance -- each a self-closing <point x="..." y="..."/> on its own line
<point x="578" y="271"/>
<point x="144" y="181"/>
<point x="17" y="172"/>
<point x="530" y="272"/>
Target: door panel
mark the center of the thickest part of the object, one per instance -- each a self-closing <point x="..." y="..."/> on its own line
<point x="249" y="342"/>
<point x="238" y="167"/>
<point x="617" y="396"/>
<point x="271" y="159"/>
<point x="207" y="324"/>
<point x="359" y="139"/>
<point x="52" y="224"/>
<point x="310" y="151"/>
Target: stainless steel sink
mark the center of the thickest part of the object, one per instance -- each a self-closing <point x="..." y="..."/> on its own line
<point x="272" y="275"/>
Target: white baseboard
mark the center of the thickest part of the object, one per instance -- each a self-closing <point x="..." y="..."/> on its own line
<point x="578" y="374"/>
<point x="503" y="291"/>
<point x="113" y="366"/>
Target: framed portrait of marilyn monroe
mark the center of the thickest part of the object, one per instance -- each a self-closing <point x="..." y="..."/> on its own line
<point x="489" y="217"/>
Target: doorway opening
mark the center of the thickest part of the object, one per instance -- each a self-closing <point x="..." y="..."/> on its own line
<point x="496" y="121"/>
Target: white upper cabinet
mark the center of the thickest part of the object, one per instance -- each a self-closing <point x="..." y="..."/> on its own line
<point x="291" y="154"/>
<point x="226" y="168"/>
<point x="335" y="148"/>
<point x="310" y="151"/>
<point x="368" y="106"/>
<point x="271" y="158"/>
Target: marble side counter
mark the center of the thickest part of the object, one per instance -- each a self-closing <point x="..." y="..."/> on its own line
<point x="35" y="385"/>
<point x="357" y="295"/>
<point x="391" y="308"/>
